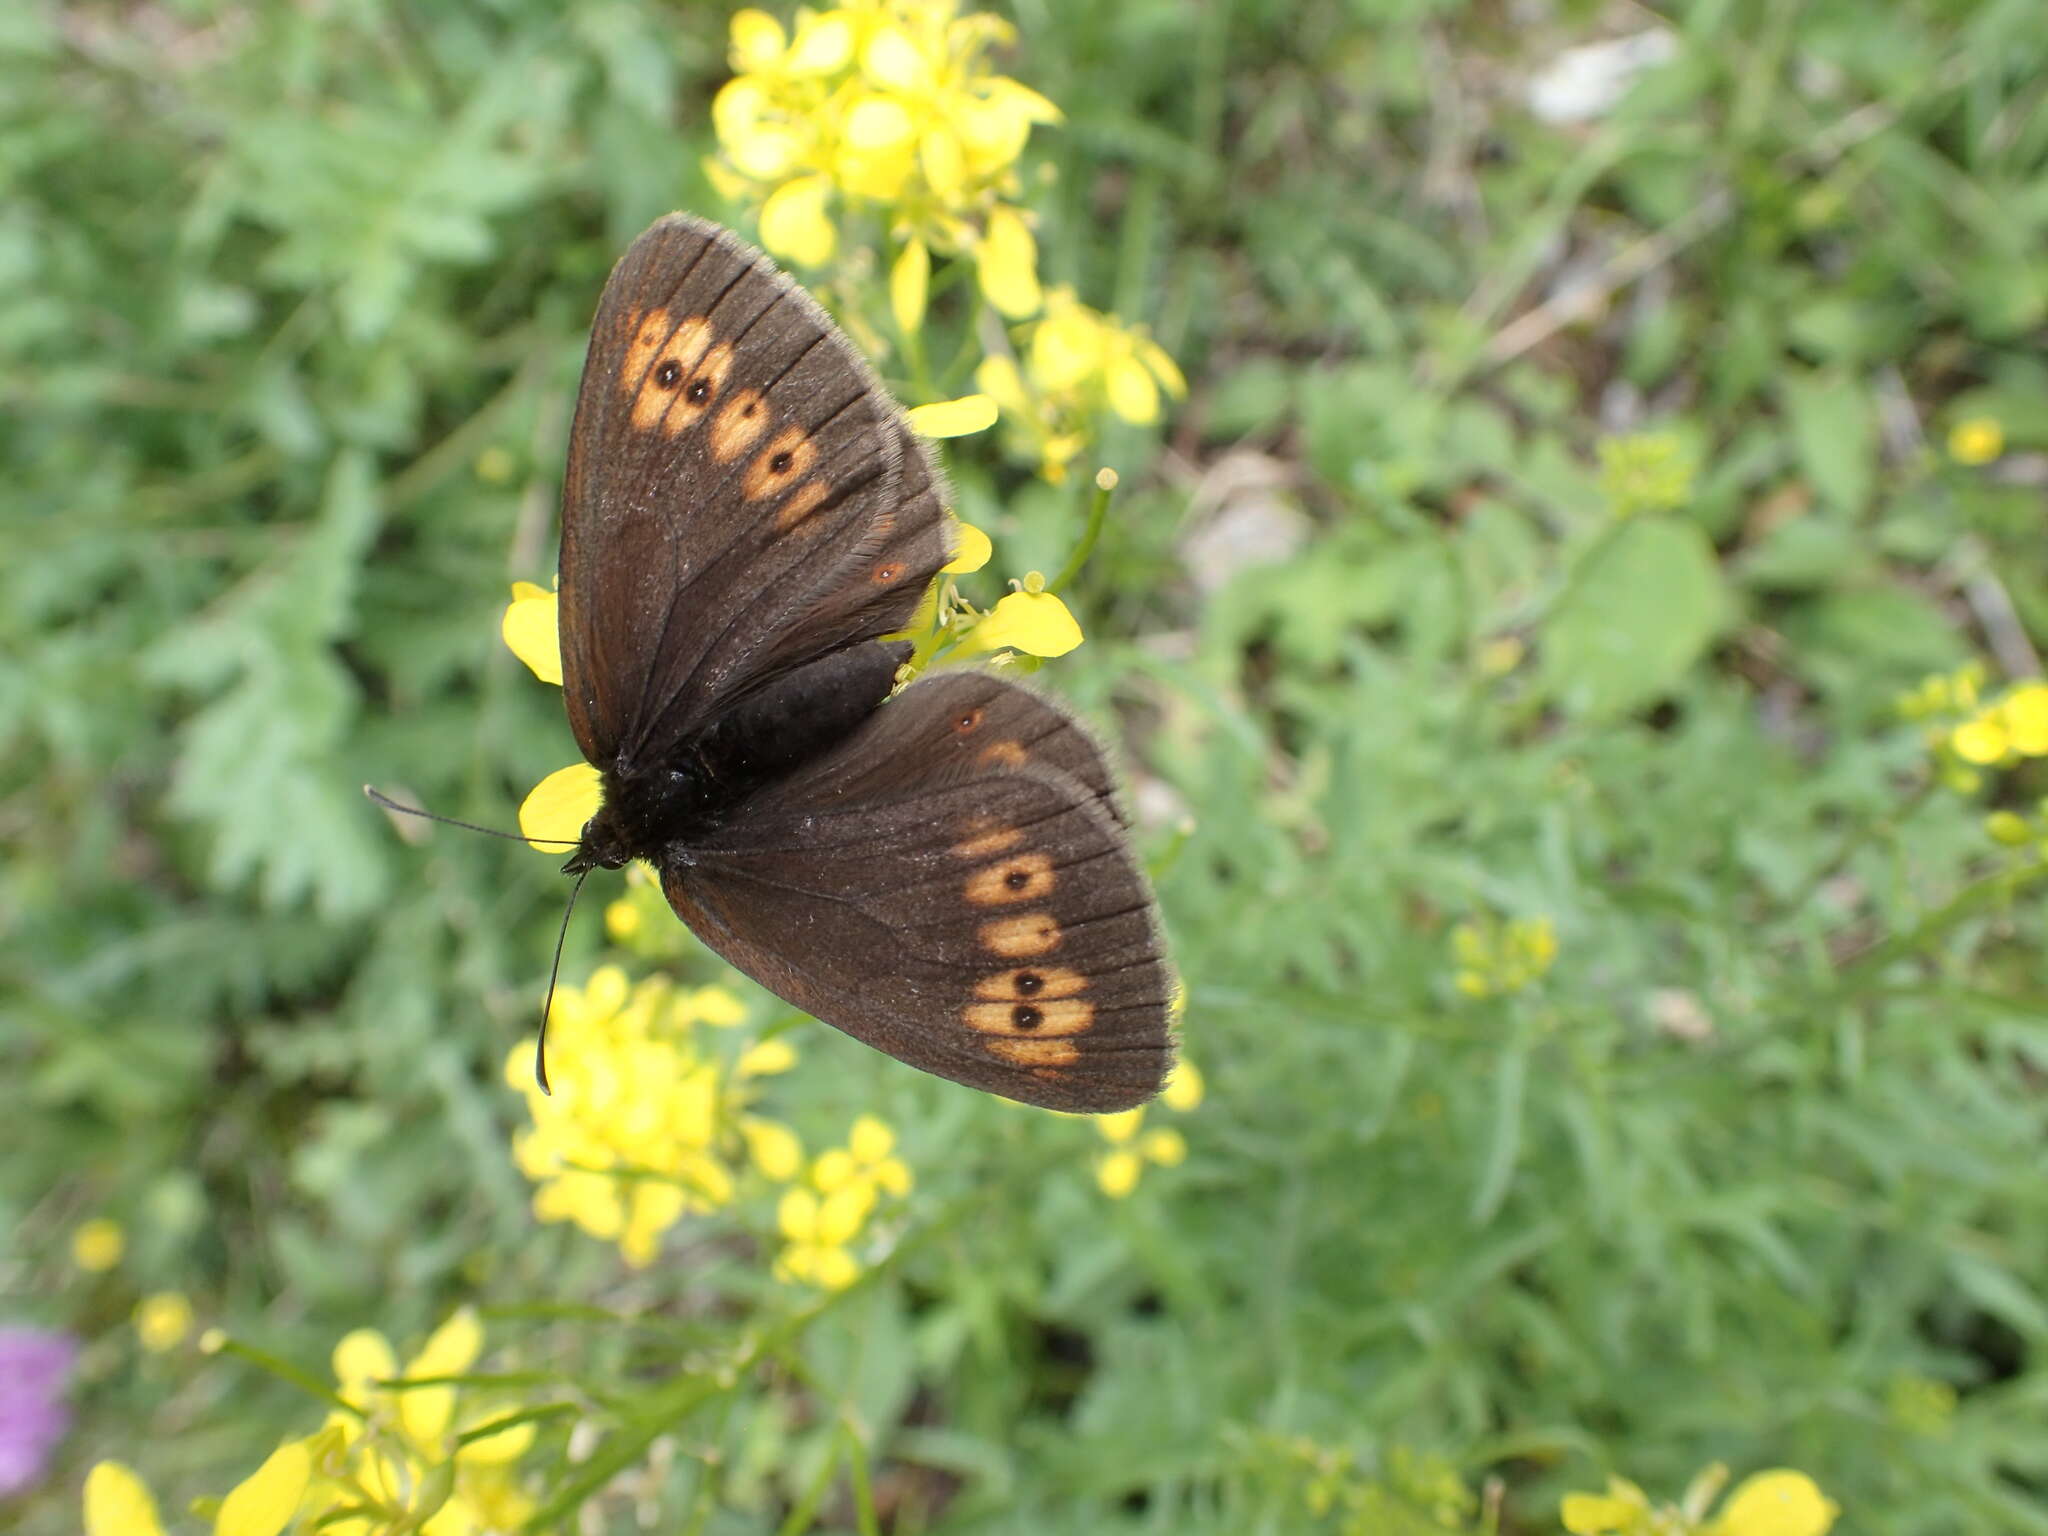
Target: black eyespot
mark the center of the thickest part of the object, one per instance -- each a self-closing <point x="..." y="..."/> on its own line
<point x="1024" y="1016"/>
<point x="667" y="374"/>
<point x="1016" y="879"/>
<point x="780" y="463"/>
<point x="750" y="407"/>
<point x="699" y="391"/>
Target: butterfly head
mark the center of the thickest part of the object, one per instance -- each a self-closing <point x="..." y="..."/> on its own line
<point x="604" y="845"/>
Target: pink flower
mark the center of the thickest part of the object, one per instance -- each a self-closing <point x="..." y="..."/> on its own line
<point x="35" y="1365"/>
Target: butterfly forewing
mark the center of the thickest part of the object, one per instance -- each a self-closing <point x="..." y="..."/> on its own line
<point x="954" y="896"/>
<point x="730" y="457"/>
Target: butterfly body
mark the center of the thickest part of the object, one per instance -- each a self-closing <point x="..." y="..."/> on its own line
<point x="941" y="873"/>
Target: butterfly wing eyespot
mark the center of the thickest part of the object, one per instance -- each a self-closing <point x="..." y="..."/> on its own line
<point x="785" y="461"/>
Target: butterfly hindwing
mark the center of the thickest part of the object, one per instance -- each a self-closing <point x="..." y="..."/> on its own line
<point x="734" y="468"/>
<point x="951" y="885"/>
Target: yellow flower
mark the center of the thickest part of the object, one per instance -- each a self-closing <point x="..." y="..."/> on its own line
<point x="426" y="1454"/>
<point x="953" y="418"/>
<point x="118" y="1503"/>
<point x="97" y="1246"/>
<point x="885" y="105"/>
<point x="817" y="1233"/>
<point x="1496" y="958"/>
<point x="773" y="1148"/>
<point x="623" y="919"/>
<point x="1976" y="440"/>
<point x="1776" y="1503"/>
<point x="531" y="628"/>
<point x="1132" y="1147"/>
<point x="1184" y="1086"/>
<point x="162" y="1321"/>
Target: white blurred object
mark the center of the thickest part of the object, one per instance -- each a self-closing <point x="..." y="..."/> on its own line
<point x="1583" y="83"/>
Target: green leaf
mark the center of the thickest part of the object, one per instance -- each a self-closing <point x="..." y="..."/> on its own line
<point x="1834" y="432"/>
<point x="1641" y="607"/>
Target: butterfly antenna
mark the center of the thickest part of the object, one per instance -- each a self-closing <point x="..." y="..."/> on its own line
<point x="540" y="1044"/>
<point x="390" y="804"/>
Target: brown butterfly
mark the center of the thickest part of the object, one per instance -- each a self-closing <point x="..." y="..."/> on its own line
<point x="942" y="873"/>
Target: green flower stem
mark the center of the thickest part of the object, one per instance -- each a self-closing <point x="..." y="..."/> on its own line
<point x="284" y="1370"/>
<point x="1972" y="900"/>
<point x="1097" y="509"/>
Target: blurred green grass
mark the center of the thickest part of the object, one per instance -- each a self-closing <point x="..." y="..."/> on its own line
<point x="292" y="304"/>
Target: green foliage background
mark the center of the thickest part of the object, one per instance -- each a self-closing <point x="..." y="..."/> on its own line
<point x="292" y="302"/>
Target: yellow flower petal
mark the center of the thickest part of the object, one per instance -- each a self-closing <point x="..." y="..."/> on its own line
<point x="1154" y="357"/>
<point x="892" y="60"/>
<point x="362" y="1360"/>
<point x="834" y="1169"/>
<point x="998" y="377"/>
<point x="162" y="1320"/>
<point x="841" y="1213"/>
<point x="1978" y="440"/>
<point x="1132" y="393"/>
<point x="834" y="1268"/>
<point x="1981" y="741"/>
<point x="1068" y="347"/>
<point x="559" y="806"/>
<point x="1183" y="1090"/>
<point x="971" y="550"/>
<point x="1121" y="1126"/>
<point x="1006" y="261"/>
<point x="97" y="1246"/>
<point x="1036" y="623"/>
<point x="1117" y="1174"/>
<point x="877" y="122"/>
<point x="910" y="279"/>
<point x="953" y="418"/>
<point x="1597" y="1514"/>
<point x="263" y="1502"/>
<point x="766" y="152"/>
<point x="794" y="224"/>
<point x="796" y="1215"/>
<point x="1166" y="1147"/>
<point x="1776" y="1503"/>
<point x="774" y="1148"/>
<point x="893" y="1175"/>
<point x="823" y="44"/>
<point x="425" y="1412"/>
<point x="944" y="163"/>
<point x="757" y="42"/>
<point x="871" y="1140"/>
<point x="769" y="1057"/>
<point x="493" y="1450"/>
<point x="117" y="1503"/>
<point x="2025" y="712"/>
<point x="531" y="630"/>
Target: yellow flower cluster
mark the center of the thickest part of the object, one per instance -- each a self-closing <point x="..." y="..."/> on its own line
<point x="426" y="1459"/>
<point x="1646" y="472"/>
<point x="822" y="1215"/>
<point x="885" y="106"/>
<point x="1131" y="1146"/>
<point x="644" y="1124"/>
<point x="1077" y="363"/>
<point x="1496" y="958"/>
<point x="1775" y="1503"/>
<point x="1969" y="733"/>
